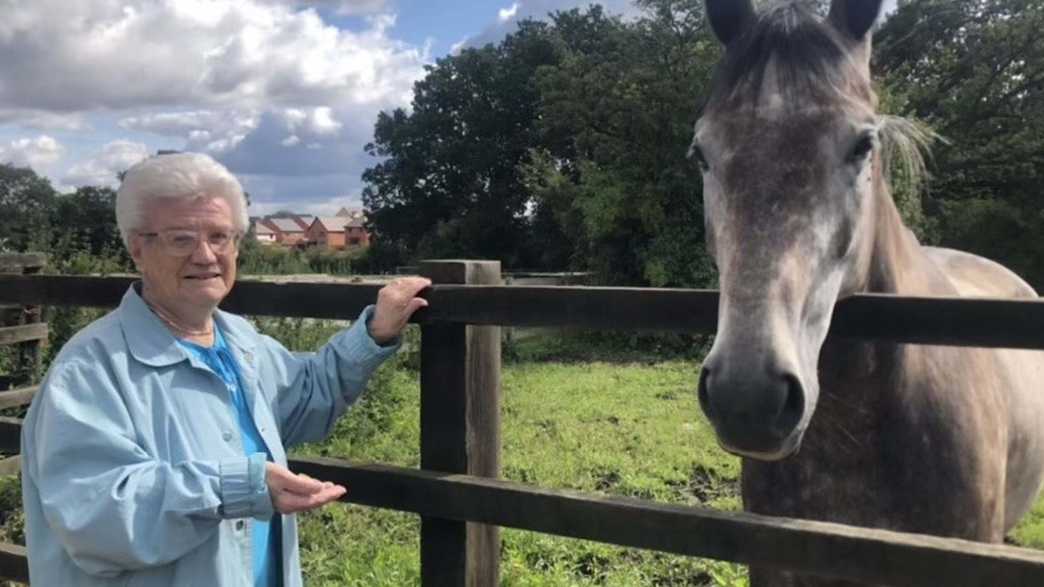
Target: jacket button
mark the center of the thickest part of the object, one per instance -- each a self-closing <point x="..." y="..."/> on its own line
<point x="239" y="525"/>
<point x="227" y="436"/>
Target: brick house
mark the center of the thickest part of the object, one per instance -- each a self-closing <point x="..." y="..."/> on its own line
<point x="288" y="231"/>
<point x="338" y="232"/>
<point x="264" y="234"/>
<point x="327" y="232"/>
<point x="356" y="234"/>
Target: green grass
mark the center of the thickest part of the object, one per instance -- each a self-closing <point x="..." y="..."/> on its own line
<point x="628" y="428"/>
<point x="621" y="429"/>
<point x="1030" y="530"/>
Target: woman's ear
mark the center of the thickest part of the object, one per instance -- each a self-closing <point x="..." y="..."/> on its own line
<point x="135" y="249"/>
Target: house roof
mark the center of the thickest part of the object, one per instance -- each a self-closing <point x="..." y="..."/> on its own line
<point x="332" y="223"/>
<point x="351" y="212"/>
<point x="286" y="224"/>
<point x="260" y="228"/>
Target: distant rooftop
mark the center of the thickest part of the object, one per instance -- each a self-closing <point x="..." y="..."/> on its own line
<point x="286" y="224"/>
<point x="333" y="223"/>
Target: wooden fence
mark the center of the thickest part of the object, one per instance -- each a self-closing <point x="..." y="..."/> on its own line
<point x="458" y="494"/>
<point x="20" y="326"/>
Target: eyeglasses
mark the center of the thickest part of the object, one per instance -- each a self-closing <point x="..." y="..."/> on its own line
<point x="182" y="243"/>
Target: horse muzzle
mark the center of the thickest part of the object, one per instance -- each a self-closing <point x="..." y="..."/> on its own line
<point x="757" y="416"/>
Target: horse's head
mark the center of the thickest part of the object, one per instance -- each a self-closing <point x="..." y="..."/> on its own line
<point x="787" y="142"/>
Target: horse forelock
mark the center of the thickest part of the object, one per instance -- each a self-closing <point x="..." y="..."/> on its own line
<point x="805" y="57"/>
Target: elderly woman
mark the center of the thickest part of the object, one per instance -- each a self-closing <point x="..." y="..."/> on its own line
<point x="155" y="451"/>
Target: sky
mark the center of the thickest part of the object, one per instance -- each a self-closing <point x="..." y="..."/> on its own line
<point x="283" y="92"/>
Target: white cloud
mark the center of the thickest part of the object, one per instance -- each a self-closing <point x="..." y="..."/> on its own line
<point x="507" y="14"/>
<point x="264" y="85"/>
<point x="341" y="7"/>
<point x="354" y="7"/>
<point x="456" y="47"/>
<point x="246" y="54"/>
<point x="102" y="168"/>
<point x="214" y="131"/>
<point x="322" y="207"/>
<point x="319" y="121"/>
<point x="507" y="18"/>
<point x="37" y="153"/>
<point x="41" y="120"/>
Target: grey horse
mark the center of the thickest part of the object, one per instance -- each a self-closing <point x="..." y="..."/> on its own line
<point x="799" y="213"/>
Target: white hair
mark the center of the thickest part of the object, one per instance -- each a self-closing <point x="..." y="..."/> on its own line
<point x="176" y="175"/>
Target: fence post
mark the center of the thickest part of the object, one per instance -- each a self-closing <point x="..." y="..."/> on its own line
<point x="28" y="352"/>
<point x="460" y="429"/>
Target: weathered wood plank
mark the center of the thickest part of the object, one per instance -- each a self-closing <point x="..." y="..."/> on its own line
<point x="952" y="321"/>
<point x="10" y="465"/>
<point x="17" y="397"/>
<point x="460" y="429"/>
<point x="23" y="333"/>
<point x="22" y="262"/>
<point x="14" y="563"/>
<point x="830" y="550"/>
<point x="10" y="434"/>
<point x="323" y="300"/>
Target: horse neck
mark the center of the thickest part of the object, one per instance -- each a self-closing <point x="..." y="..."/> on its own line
<point x="897" y="263"/>
<point x="893" y="263"/>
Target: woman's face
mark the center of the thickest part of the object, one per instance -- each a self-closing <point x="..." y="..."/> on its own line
<point x="182" y="280"/>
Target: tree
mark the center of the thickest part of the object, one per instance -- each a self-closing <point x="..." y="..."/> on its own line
<point x="25" y="201"/>
<point x="85" y="220"/>
<point x="974" y="69"/>
<point x="448" y="183"/>
<point x="626" y="95"/>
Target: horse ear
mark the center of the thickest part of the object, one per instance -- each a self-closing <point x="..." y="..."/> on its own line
<point x="854" y="18"/>
<point x="729" y="18"/>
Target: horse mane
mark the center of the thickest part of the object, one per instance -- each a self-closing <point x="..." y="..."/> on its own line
<point x="905" y="143"/>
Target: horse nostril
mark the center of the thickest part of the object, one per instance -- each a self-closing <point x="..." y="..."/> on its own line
<point x="793" y="404"/>
<point x="703" y="392"/>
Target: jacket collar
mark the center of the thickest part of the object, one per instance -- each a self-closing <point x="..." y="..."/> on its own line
<point x="148" y="339"/>
<point x="151" y="343"/>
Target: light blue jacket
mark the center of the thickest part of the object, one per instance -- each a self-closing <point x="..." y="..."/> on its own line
<point x="133" y="470"/>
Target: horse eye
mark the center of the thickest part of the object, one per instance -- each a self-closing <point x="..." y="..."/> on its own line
<point x="862" y="148"/>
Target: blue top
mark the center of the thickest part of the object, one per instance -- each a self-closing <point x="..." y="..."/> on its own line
<point x="133" y="472"/>
<point x="265" y="544"/>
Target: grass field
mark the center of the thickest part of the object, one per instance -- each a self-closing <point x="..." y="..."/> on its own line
<point x="629" y="426"/>
<point x="624" y="429"/>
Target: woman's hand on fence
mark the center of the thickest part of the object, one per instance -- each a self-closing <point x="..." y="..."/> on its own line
<point x="292" y="492"/>
<point x="396" y="302"/>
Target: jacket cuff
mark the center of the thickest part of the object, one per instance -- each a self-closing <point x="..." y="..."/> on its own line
<point x="244" y="492"/>
<point x="356" y="344"/>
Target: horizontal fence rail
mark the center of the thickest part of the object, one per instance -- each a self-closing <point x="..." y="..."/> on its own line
<point x="23" y="333"/>
<point x="14" y="564"/>
<point x="825" y="549"/>
<point x="1014" y="323"/>
<point x="17" y="397"/>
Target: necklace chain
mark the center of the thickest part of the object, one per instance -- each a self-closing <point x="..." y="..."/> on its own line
<point x="169" y="321"/>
